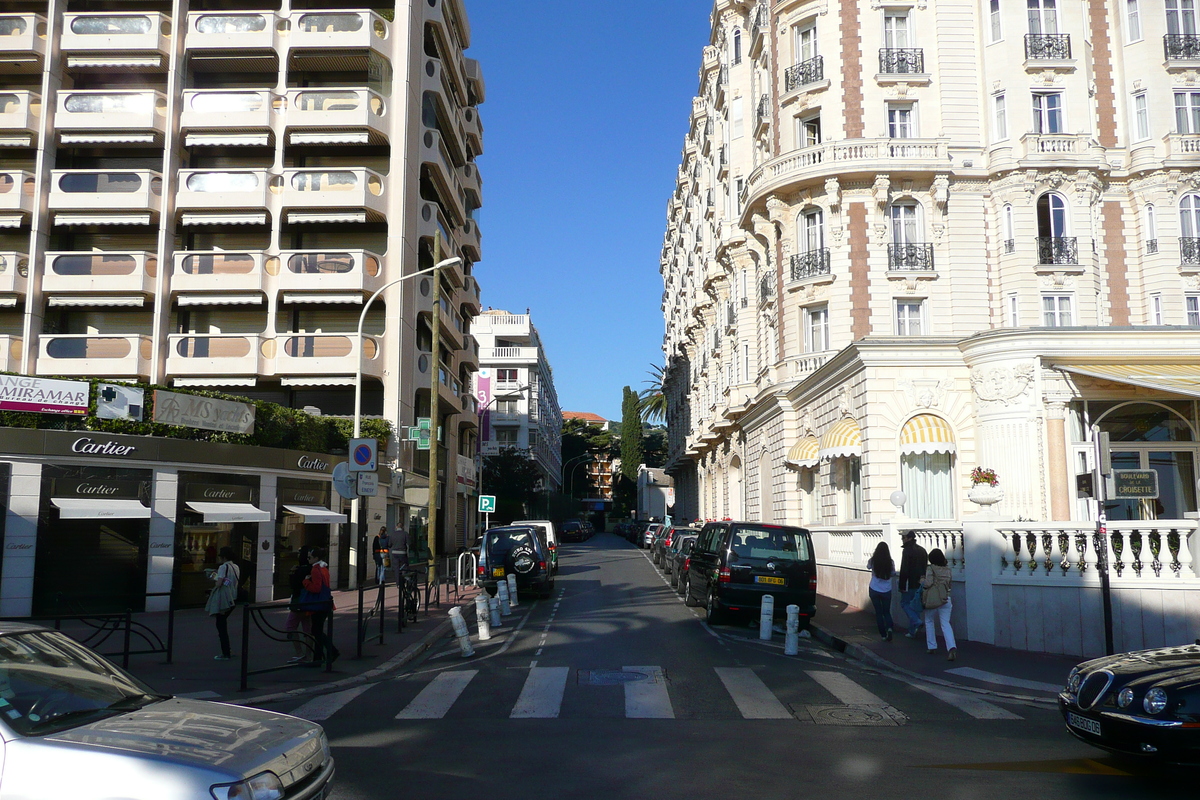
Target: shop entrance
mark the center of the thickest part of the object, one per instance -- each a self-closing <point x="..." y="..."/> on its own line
<point x="211" y="516"/>
<point x="303" y="520"/>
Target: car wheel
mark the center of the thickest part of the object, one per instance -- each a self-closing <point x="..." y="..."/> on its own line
<point x="713" y="614"/>
<point x="674" y="580"/>
<point x="688" y="600"/>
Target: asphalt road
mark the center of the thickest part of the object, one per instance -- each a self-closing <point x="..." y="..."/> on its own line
<point x="615" y="689"/>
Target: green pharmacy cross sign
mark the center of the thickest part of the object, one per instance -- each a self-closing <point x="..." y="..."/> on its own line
<point x="420" y="433"/>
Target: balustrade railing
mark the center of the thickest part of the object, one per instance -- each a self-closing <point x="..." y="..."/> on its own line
<point x="1053" y="46"/>
<point x="804" y="73"/>
<point x="1145" y="550"/>
<point x="901" y="60"/>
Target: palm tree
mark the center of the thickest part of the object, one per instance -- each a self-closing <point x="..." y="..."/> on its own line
<point x="652" y="403"/>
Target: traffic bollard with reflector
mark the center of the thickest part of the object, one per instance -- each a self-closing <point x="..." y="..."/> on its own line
<point x="460" y="632"/>
<point x="764" y="621"/>
<point x="502" y="593"/>
<point x="482" y="619"/>
<point x="791" y="640"/>
<point x="494" y="611"/>
<point x="513" y="600"/>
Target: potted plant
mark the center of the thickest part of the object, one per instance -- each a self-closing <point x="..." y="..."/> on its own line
<point x="985" y="487"/>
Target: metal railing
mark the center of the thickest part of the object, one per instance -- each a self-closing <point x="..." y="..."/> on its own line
<point x="1151" y="246"/>
<point x="1181" y="46"/>
<point x="472" y="562"/>
<point x="804" y="73"/>
<point x="1058" y="250"/>
<point x="378" y="611"/>
<point x="764" y="110"/>
<point x="901" y="60"/>
<point x="910" y="257"/>
<point x="93" y="630"/>
<point x="1189" y="251"/>
<point x="1048" y="46"/>
<point x="257" y="613"/>
<point x="810" y="264"/>
<point x="1010" y="245"/>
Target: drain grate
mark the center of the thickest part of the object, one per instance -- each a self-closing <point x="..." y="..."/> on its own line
<point x="854" y="716"/>
<point x="609" y="677"/>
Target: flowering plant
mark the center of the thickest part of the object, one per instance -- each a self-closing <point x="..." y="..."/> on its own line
<point x="980" y="475"/>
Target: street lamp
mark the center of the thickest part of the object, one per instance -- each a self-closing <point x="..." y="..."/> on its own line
<point x="587" y="457"/>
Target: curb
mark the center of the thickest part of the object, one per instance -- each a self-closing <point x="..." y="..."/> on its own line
<point x="395" y="662"/>
<point x="870" y="656"/>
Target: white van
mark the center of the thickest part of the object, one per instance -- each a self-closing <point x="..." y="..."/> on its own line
<point x="547" y="527"/>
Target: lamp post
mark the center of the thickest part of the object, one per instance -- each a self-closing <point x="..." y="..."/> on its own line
<point x="586" y="457"/>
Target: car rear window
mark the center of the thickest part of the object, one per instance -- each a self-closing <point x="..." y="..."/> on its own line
<point x="778" y="543"/>
<point x="500" y="543"/>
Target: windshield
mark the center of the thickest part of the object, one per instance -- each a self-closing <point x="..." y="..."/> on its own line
<point x="49" y="682"/>
<point x="778" y="543"/>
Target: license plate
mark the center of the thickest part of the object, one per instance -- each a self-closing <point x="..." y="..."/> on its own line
<point x="1083" y="723"/>
<point x="498" y="572"/>
<point x="770" y="580"/>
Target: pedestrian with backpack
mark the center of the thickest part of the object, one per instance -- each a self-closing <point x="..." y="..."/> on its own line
<point x="223" y="598"/>
<point x="936" y="598"/>
<point x="317" y="598"/>
<point x="297" y="619"/>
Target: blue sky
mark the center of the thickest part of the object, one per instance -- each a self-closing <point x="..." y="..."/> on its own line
<point x="587" y="107"/>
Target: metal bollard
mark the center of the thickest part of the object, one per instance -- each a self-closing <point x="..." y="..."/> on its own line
<point x="502" y="593"/>
<point x="764" y="621"/>
<point x="791" y="640"/>
<point x="494" y="611"/>
<point x="482" y="620"/>
<point x="461" y="632"/>
<point x="513" y="601"/>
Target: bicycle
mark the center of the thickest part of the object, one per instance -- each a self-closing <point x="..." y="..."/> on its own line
<point x="411" y="597"/>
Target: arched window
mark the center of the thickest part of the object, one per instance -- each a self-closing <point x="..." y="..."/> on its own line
<point x="1150" y="436"/>
<point x="736" y="53"/>
<point x="1189" y="216"/>
<point x="927" y="450"/>
<point x="1054" y="246"/>
<point x="811" y="230"/>
<point x="1010" y="239"/>
<point x="1151" y="224"/>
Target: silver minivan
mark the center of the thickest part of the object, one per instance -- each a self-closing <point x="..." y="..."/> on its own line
<point x="74" y="726"/>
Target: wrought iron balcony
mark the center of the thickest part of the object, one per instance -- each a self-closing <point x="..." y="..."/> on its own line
<point x="766" y="289"/>
<point x="810" y="264"/>
<point x="1189" y="252"/>
<point x="910" y="257"/>
<point x="1058" y="250"/>
<point x="1181" y="46"/>
<point x="1151" y="246"/>
<point x="804" y="73"/>
<point x="901" y="60"/>
<point x="1053" y="46"/>
<point x="730" y="314"/>
<point x="1010" y="245"/>
<point x="764" y="110"/>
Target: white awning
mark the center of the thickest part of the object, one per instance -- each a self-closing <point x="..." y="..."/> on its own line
<point x="322" y="298"/>
<point x="106" y="138"/>
<point x="218" y="381"/>
<point x="100" y="508"/>
<point x="219" y="299"/>
<point x="135" y="300"/>
<point x="323" y="380"/>
<point x="315" y="515"/>
<point x="10" y="220"/>
<point x="224" y="140"/>
<point x="226" y="218"/>
<point x="96" y="218"/>
<point x="299" y="217"/>
<point x="330" y="137"/>
<point x="230" y="512"/>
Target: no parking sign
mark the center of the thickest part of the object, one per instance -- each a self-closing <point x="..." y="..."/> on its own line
<point x="362" y="455"/>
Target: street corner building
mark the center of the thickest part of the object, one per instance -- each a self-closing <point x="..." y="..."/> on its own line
<point x="910" y="239"/>
<point x="205" y="195"/>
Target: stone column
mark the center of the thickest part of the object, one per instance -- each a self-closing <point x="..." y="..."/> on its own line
<point x="160" y="569"/>
<point x="264" y="579"/>
<point x="20" y="540"/>
<point x="1056" y="457"/>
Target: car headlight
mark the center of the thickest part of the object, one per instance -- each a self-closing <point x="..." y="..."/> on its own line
<point x="1125" y="698"/>
<point x="1073" y="681"/>
<point x="263" y="786"/>
<point x="1156" y="701"/>
<point x="326" y="753"/>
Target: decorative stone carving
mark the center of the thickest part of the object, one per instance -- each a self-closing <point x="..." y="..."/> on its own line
<point x="926" y="392"/>
<point x="833" y="194"/>
<point x="881" y="191"/>
<point x="1003" y="385"/>
<point x="1088" y="186"/>
<point x="845" y="402"/>
<point x="806" y="421"/>
<point x="777" y="210"/>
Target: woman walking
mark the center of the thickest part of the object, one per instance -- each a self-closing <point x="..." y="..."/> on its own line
<point x="936" y="597"/>
<point x="882" y="569"/>
<point x="223" y="598"/>
<point x="318" y="599"/>
<point x="298" y="619"/>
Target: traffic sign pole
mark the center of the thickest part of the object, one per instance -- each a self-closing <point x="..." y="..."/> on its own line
<point x="1102" y="540"/>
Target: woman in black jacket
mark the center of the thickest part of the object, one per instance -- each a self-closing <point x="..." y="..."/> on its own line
<point x="297" y="619"/>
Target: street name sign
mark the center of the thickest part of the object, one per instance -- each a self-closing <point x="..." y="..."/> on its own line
<point x="368" y="484"/>
<point x="1135" y="484"/>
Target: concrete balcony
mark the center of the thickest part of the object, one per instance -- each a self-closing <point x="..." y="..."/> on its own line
<point x="1059" y="150"/>
<point x="336" y="116"/>
<point x="304" y="354"/>
<point x="436" y="156"/>
<point x="1183" y="150"/>
<point x="506" y="325"/>
<point x="471" y="184"/>
<point x="10" y="353"/>
<point x="22" y="42"/>
<point x="353" y="194"/>
<point x="219" y="271"/>
<point x="105" y="39"/>
<point x="472" y="127"/>
<point x="224" y="190"/>
<point x="14" y="278"/>
<point x="340" y="30"/>
<point x="230" y="30"/>
<point x="208" y="355"/>
<point x="228" y="116"/>
<point x="319" y="272"/>
<point x="85" y="117"/>
<point x="110" y="273"/>
<point x="468" y="240"/>
<point x="18" y="196"/>
<point x="433" y="222"/>
<point x="98" y="197"/>
<point x="20" y="118"/>
<point x="92" y="355"/>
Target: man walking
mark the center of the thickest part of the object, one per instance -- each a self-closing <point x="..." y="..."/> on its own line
<point x="913" y="561"/>
<point x="400" y="553"/>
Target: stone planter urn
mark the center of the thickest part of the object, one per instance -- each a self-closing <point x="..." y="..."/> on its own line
<point x="985" y="495"/>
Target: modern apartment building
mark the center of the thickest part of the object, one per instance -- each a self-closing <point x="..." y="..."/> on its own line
<point x="205" y="193"/>
<point x="912" y="238"/>
<point x="601" y="469"/>
<point x="515" y="389"/>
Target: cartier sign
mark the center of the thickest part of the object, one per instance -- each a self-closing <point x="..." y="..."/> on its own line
<point x="88" y="446"/>
<point x="313" y="463"/>
<point x="217" y="493"/>
<point x="96" y="487"/>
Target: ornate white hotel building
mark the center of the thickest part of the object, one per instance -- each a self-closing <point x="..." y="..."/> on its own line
<point x="913" y="237"/>
<point x="204" y="193"/>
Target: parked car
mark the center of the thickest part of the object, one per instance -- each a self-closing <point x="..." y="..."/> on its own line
<point x="73" y="725"/>
<point x="545" y="527"/>
<point x="733" y="564"/>
<point x="680" y="547"/>
<point x="516" y="550"/>
<point x="660" y="544"/>
<point x="572" y="531"/>
<point x="634" y="532"/>
<point x="647" y="537"/>
<point x="1145" y="703"/>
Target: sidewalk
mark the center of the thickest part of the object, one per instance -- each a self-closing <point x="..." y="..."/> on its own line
<point x="983" y="667"/>
<point x="194" y="673"/>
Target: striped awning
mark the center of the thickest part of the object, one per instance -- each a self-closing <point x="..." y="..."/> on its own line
<point x="926" y="433"/>
<point x="1177" y="378"/>
<point x="843" y="440"/>
<point x="804" y="452"/>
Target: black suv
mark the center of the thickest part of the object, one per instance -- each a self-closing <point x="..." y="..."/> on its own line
<point x="733" y="564"/>
<point x="516" y="550"/>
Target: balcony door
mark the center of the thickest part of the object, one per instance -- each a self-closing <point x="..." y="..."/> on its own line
<point x="1147" y="436"/>
<point x="1181" y="17"/>
<point x="1043" y="16"/>
<point x="896" y="31"/>
<point x="905" y="224"/>
<point x="1052" y="216"/>
<point x="806" y="44"/>
<point x="812" y="231"/>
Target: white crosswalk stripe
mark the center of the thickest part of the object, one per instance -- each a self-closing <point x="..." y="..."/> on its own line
<point x="845" y="690"/>
<point x="968" y="703"/>
<point x="541" y="697"/>
<point x="325" y="706"/>
<point x="751" y="695"/>
<point x="436" y="699"/>
<point x="648" y="699"/>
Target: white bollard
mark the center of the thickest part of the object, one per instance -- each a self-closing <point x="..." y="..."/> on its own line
<point x="768" y="615"/>
<point x="791" y="640"/>
<point x="512" y="591"/>
<point x="494" y="610"/>
<point x="461" y="632"/>
<point x="502" y="593"/>
<point x="482" y="620"/>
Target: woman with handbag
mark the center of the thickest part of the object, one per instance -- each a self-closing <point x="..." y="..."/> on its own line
<point x="317" y="598"/>
<point x="223" y="598"/>
<point x="882" y="569"/>
<point x="936" y="598"/>
<point x="382" y="549"/>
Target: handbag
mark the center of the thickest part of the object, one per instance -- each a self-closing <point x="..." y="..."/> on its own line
<point x="936" y="594"/>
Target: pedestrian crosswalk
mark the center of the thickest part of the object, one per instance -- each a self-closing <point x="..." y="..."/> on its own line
<point x="649" y="693"/>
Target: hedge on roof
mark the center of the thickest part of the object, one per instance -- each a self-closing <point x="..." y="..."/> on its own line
<point x="274" y="425"/>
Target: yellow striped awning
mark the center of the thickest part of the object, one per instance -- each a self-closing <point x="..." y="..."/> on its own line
<point x="804" y="452"/>
<point x="843" y="440"/>
<point x="926" y="433"/>
<point x="1178" y="378"/>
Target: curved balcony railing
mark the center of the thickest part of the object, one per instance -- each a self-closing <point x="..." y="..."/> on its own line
<point x="1189" y="251"/>
<point x="93" y="110"/>
<point x="1048" y="46"/>
<point x="1058" y="250"/>
<point x="118" y="355"/>
<point x="228" y="109"/>
<point x="17" y="191"/>
<point x="105" y="190"/>
<point x="804" y="73"/>
<point x="334" y="108"/>
<point x="355" y="187"/>
<point x="116" y="32"/>
<point x="75" y="272"/>
<point x="1181" y="46"/>
<point x="805" y="265"/>
<point x="901" y="60"/>
<point x="20" y="111"/>
<point x="324" y="353"/>
<point x="218" y="270"/>
<point x="10" y="353"/>
<point x="846" y="156"/>
<point x="222" y="189"/>
<point x="14" y="272"/>
<point x="230" y="30"/>
<point x="212" y="354"/>
<point x="329" y="270"/>
<point x="910" y="257"/>
<point x="324" y="29"/>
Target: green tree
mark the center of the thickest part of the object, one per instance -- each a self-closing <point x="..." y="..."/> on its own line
<point x="652" y="403"/>
<point x="654" y="446"/>
<point x="631" y="435"/>
<point x="513" y="477"/>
